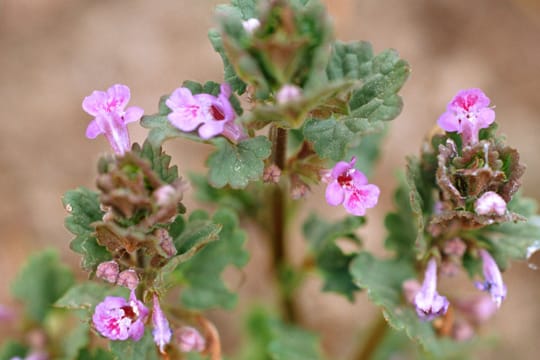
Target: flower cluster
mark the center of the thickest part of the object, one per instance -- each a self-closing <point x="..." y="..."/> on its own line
<point x="350" y="187"/>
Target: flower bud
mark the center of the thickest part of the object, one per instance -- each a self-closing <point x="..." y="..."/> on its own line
<point x="162" y="332"/>
<point x="250" y="25"/>
<point x="108" y="271"/>
<point x="189" y="339"/>
<point x="288" y="93"/>
<point x="129" y="279"/>
<point x="455" y="247"/>
<point x="410" y="288"/>
<point x="490" y="203"/>
<point x="462" y="331"/>
<point x="166" y="242"/>
<point x="478" y="309"/>
<point x="164" y="194"/>
<point x="271" y="174"/>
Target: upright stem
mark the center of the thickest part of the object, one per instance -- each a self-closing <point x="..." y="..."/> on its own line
<point x="368" y="348"/>
<point x="278" y="136"/>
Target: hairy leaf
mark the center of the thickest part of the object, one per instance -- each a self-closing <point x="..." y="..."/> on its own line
<point x="144" y="349"/>
<point x="383" y="280"/>
<point x="83" y="207"/>
<point x="41" y="282"/>
<point x="330" y="259"/>
<point x="236" y="165"/>
<point x="202" y="273"/>
<point x="160" y="162"/>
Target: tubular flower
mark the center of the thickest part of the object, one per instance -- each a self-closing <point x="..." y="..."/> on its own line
<point x="162" y="332"/>
<point x="429" y="304"/>
<point x="467" y="113"/>
<point x="111" y="116"/>
<point x="349" y="186"/>
<point x="117" y="319"/>
<point x="210" y="114"/>
<point x="493" y="282"/>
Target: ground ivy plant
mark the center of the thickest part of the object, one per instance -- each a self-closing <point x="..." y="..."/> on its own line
<point x="295" y="108"/>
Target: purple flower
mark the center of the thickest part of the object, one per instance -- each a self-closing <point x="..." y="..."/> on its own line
<point x="117" y="319"/>
<point x="490" y="203"/>
<point x="493" y="282"/>
<point x="467" y="113"/>
<point x="349" y="186"/>
<point x="210" y="114"/>
<point x="162" y="332"/>
<point x="111" y="117"/>
<point x="429" y="304"/>
<point x="189" y="339"/>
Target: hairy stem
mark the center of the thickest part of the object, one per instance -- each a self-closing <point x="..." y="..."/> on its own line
<point x="278" y="136"/>
<point x="368" y="348"/>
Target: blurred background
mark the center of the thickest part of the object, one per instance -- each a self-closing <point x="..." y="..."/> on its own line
<point x="55" y="52"/>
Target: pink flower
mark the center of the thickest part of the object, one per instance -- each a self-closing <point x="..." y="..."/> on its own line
<point x="467" y="113"/>
<point x="349" y="186"/>
<point x="493" y="282"/>
<point x="111" y="117"/>
<point x="190" y="339"/>
<point x="429" y="304"/>
<point x="162" y="332"/>
<point x="209" y="114"/>
<point x="490" y="203"/>
<point x="117" y="319"/>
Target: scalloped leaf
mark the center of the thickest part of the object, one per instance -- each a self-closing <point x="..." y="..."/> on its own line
<point x="330" y="259"/>
<point x="160" y="162"/>
<point x="271" y="339"/>
<point x="236" y="165"/>
<point x="375" y="101"/>
<point x="41" y="281"/>
<point x="382" y="279"/>
<point x="83" y="208"/>
<point x="201" y="275"/>
<point x="144" y="349"/>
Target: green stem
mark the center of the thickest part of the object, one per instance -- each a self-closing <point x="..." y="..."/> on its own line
<point x="368" y="348"/>
<point x="278" y="136"/>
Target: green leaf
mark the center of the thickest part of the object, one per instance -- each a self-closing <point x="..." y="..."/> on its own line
<point x="11" y="349"/>
<point x="375" y="101"/>
<point x="401" y="224"/>
<point x="332" y="137"/>
<point x="330" y="259"/>
<point x="271" y="339"/>
<point x="74" y="342"/>
<point x="416" y="184"/>
<point x="41" y="282"/>
<point x="160" y="162"/>
<point x="230" y="75"/>
<point x="515" y="241"/>
<point x="383" y="281"/>
<point x="243" y="202"/>
<point x="236" y="165"/>
<point x="195" y="236"/>
<point x="202" y="273"/>
<point x="144" y="349"/>
<point x="96" y="354"/>
<point x="83" y="208"/>
<point x="87" y="295"/>
<point x="367" y="152"/>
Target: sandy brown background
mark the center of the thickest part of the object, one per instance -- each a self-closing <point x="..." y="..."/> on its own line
<point x="55" y="52"/>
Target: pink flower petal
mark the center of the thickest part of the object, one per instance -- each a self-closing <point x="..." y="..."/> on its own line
<point x="334" y="194"/>
<point x="93" y="130"/>
<point x="133" y="113"/>
<point x="95" y="103"/>
<point x="119" y="96"/>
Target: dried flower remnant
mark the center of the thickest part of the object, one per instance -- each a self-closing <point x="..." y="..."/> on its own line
<point x="429" y="304"/>
<point x="118" y="319"/>
<point x="349" y="186"/>
<point x="466" y="114"/>
<point x="490" y="203"/>
<point x="210" y="115"/>
<point x="493" y="282"/>
<point x="111" y="116"/>
<point x="162" y="332"/>
<point x="190" y="339"/>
